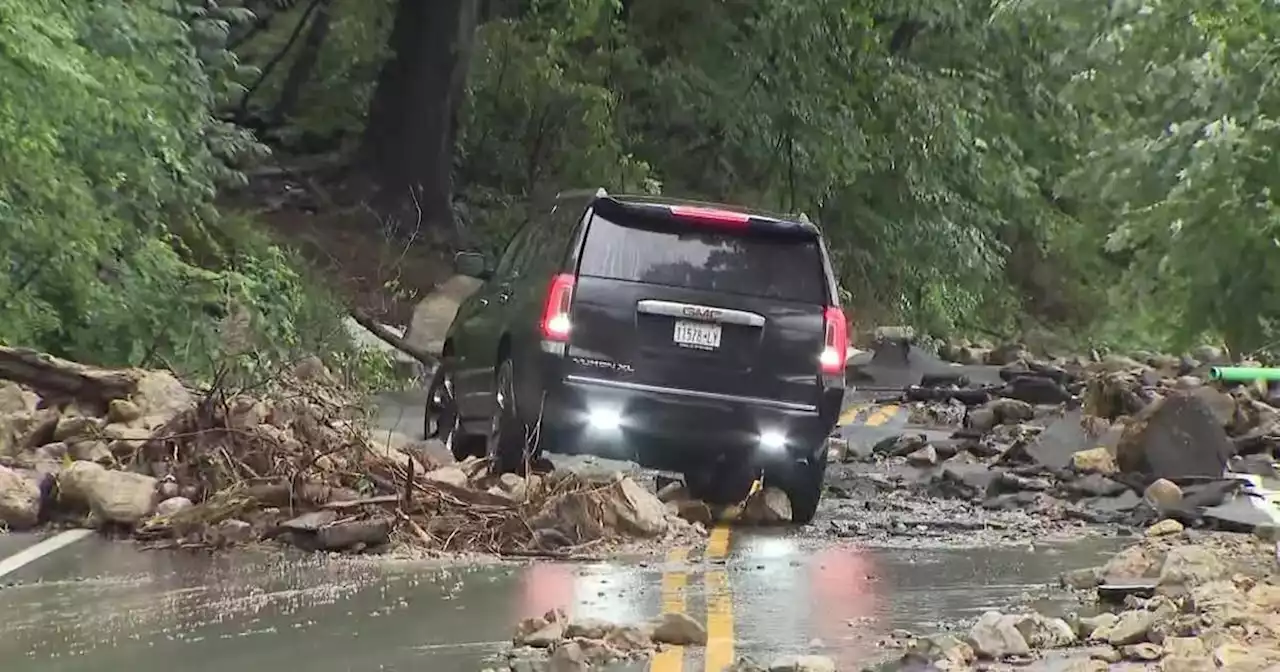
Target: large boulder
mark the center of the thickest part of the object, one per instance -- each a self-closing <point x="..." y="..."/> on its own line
<point x="1175" y="438"/>
<point x="19" y="499"/>
<point x="114" y="496"/>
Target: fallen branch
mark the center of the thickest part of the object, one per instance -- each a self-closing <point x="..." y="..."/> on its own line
<point x="46" y="374"/>
<point x="391" y="338"/>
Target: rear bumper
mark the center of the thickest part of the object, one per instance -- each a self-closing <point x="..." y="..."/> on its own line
<point x="673" y="429"/>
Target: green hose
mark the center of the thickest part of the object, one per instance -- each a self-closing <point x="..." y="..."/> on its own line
<point x="1244" y="374"/>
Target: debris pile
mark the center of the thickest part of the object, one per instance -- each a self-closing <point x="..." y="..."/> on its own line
<point x="1112" y="440"/>
<point x="1176" y="601"/>
<point x="556" y="643"/>
<point x="135" y="450"/>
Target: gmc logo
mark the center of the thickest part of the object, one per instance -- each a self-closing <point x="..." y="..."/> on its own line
<point x="701" y="313"/>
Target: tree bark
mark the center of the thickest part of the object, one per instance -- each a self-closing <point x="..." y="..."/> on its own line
<point x="304" y="65"/>
<point x="409" y="141"/>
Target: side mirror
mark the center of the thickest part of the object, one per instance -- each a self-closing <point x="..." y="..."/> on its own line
<point x="472" y="264"/>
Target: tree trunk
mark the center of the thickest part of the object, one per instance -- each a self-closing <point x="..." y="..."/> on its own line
<point x="304" y="65"/>
<point x="409" y="141"/>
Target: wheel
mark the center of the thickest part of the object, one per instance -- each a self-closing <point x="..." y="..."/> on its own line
<point x="508" y="444"/>
<point x="442" y="421"/>
<point x="803" y="485"/>
<point x="719" y="484"/>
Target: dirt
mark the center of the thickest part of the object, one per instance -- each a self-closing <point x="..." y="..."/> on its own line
<point x="378" y="268"/>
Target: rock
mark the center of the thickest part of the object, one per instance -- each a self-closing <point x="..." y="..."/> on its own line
<point x="1175" y="438"/>
<point x="691" y="510"/>
<point x="1081" y="579"/>
<point x="568" y="657"/>
<point x="540" y="633"/>
<point x="20" y="500"/>
<point x="1191" y="566"/>
<point x="1131" y="563"/>
<point x="1163" y="494"/>
<point x="123" y="411"/>
<point x="628" y="638"/>
<point x="1131" y="627"/>
<point x="1010" y="411"/>
<point x="173" y="505"/>
<point x="515" y="486"/>
<point x="636" y="510"/>
<point x="939" y="648"/>
<point x="1094" y="461"/>
<point x="768" y="506"/>
<point x="115" y="496"/>
<point x="232" y="531"/>
<point x="1041" y="632"/>
<point x="77" y="428"/>
<point x="1219" y="403"/>
<point x="1106" y="654"/>
<point x="1142" y="652"/>
<point x="588" y="628"/>
<point x="1090" y="625"/>
<point x="996" y="636"/>
<point x="160" y="396"/>
<point x="838" y="450"/>
<point x="924" y="457"/>
<point x="803" y="664"/>
<point x="1165" y="528"/>
<point x="679" y="629"/>
<point x="1210" y="354"/>
<point x="981" y="419"/>
<point x="15" y="399"/>
<point x="450" y="475"/>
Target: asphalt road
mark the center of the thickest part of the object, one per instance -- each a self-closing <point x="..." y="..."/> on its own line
<point x="101" y="606"/>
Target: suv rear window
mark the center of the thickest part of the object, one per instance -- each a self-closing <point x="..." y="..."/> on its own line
<point x="787" y="268"/>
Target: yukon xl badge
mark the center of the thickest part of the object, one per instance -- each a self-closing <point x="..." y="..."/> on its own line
<point x="603" y="364"/>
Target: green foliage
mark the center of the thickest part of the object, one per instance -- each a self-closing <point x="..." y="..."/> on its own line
<point x="111" y="248"/>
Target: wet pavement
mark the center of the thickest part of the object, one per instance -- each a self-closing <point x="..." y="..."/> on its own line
<point x="101" y="606"/>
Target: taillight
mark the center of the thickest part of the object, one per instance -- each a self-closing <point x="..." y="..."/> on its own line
<point x="835" y="347"/>
<point x="712" y="216"/>
<point x="555" y="314"/>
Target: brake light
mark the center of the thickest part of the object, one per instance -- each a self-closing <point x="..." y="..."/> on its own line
<point x="713" y="216"/>
<point x="835" y="347"/>
<point x="555" y="313"/>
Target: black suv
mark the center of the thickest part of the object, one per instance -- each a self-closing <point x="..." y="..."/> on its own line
<point x="684" y="336"/>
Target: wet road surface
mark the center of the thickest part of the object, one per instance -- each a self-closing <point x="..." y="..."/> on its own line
<point x="106" y="607"/>
<point x="99" y="606"/>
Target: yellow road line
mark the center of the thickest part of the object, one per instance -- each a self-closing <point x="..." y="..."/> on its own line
<point x="850" y="414"/>
<point x="674" y="580"/>
<point x="719" y="606"/>
<point x="882" y="415"/>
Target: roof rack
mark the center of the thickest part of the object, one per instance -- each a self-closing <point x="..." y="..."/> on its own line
<point x="598" y="192"/>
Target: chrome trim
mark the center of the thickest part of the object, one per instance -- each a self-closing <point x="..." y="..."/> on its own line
<point x="694" y="311"/>
<point x="697" y="394"/>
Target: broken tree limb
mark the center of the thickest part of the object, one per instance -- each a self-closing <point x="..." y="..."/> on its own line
<point x="391" y="338"/>
<point x="47" y="374"/>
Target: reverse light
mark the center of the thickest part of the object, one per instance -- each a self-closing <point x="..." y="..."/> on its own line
<point x="555" y="313"/>
<point x="835" y="347"/>
<point x="713" y="216"/>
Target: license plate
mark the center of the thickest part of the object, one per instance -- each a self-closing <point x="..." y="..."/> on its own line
<point x="700" y="335"/>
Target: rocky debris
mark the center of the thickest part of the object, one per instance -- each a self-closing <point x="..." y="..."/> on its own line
<point x="1136" y="440"/>
<point x="1216" y="606"/>
<point x="556" y="642"/>
<point x="294" y="463"/>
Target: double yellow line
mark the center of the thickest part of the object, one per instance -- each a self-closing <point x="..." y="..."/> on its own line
<point x="675" y="581"/>
<point x="719" y="596"/>
<point x="875" y="415"/>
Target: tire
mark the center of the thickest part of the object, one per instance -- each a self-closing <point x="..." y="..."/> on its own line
<point x="804" y="485"/>
<point x="719" y="484"/>
<point x="442" y="421"/>
<point x="508" y="445"/>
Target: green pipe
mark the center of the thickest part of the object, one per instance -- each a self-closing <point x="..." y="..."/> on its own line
<point x="1244" y="374"/>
